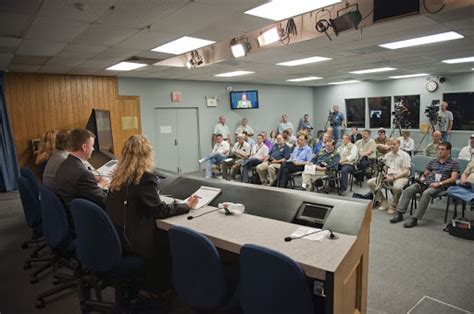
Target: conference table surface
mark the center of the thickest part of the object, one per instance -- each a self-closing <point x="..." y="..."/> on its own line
<point x="231" y="232"/>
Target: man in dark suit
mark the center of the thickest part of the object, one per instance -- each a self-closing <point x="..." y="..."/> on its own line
<point x="355" y="135"/>
<point x="73" y="179"/>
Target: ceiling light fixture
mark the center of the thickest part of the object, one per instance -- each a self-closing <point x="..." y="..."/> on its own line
<point x="347" y="20"/>
<point x="344" y="82"/>
<point x="459" y="60"/>
<point x="376" y="70"/>
<point x="436" y="38"/>
<point x="278" y="10"/>
<point x="182" y="45"/>
<point x="268" y="37"/>
<point x="234" y="73"/>
<point x="195" y="60"/>
<point x="304" y="79"/>
<point x="303" y="61"/>
<point x="239" y="48"/>
<point x="408" y="76"/>
<point x="126" y="66"/>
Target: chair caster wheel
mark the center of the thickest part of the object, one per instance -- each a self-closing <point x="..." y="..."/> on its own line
<point x="24" y="245"/>
<point x="40" y="304"/>
<point x="34" y="280"/>
<point x="27" y="266"/>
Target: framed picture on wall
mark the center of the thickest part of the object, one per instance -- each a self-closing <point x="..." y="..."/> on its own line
<point x="355" y="111"/>
<point x="379" y="112"/>
<point x="409" y="108"/>
<point x="461" y="105"/>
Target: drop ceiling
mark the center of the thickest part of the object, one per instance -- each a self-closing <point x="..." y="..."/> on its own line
<point x="87" y="36"/>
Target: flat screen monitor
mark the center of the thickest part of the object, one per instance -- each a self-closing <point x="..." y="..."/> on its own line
<point x="100" y="124"/>
<point x="244" y="99"/>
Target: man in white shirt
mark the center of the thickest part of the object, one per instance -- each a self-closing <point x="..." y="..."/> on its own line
<point x="219" y="153"/>
<point x="397" y="164"/>
<point x="284" y="124"/>
<point x="240" y="151"/>
<point x="244" y="127"/>
<point x="349" y="154"/>
<point x="258" y="155"/>
<point x="222" y="129"/>
<point x="407" y="144"/>
<point x="468" y="151"/>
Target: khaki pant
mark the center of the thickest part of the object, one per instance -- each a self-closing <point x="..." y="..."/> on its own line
<point x="267" y="172"/>
<point x="397" y="189"/>
<point x="308" y="179"/>
<point x="233" y="166"/>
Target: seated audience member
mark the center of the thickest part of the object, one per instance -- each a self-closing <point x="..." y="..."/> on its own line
<point x="240" y="152"/>
<point x="134" y="204"/>
<point x="381" y="143"/>
<point x="321" y="144"/>
<point x="355" y="135"/>
<point x="285" y="124"/>
<point x="366" y="148"/>
<point x="268" y="169"/>
<point x="465" y="190"/>
<point x="266" y="141"/>
<point x="73" y="179"/>
<point x="244" y="127"/>
<point x="258" y="155"/>
<point x="288" y="140"/>
<point x="304" y="123"/>
<point x="218" y="154"/>
<point x="397" y="165"/>
<point x="273" y="136"/>
<point x="291" y="137"/>
<point x="432" y="149"/>
<point x="300" y="156"/>
<point x="59" y="155"/>
<point x="467" y="151"/>
<point x="407" y="144"/>
<point x="46" y="148"/>
<point x="329" y="130"/>
<point x="222" y="129"/>
<point x="349" y="154"/>
<point x="438" y="176"/>
<point x="311" y="139"/>
<point x="248" y="139"/>
<point x="325" y="161"/>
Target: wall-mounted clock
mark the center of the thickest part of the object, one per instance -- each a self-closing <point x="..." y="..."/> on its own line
<point x="431" y="86"/>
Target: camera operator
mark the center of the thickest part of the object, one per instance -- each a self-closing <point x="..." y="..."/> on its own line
<point x="439" y="174"/>
<point x="445" y="121"/>
<point x="337" y="121"/>
<point x="396" y="170"/>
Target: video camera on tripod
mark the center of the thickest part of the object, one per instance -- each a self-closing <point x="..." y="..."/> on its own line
<point x="431" y="112"/>
<point x="332" y="118"/>
<point x="398" y="114"/>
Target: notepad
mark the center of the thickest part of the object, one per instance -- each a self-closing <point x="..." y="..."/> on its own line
<point x="207" y="194"/>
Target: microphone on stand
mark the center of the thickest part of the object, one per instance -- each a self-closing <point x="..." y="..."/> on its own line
<point x="331" y="236"/>
<point x="208" y="212"/>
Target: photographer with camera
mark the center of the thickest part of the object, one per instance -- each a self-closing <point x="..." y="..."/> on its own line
<point x="445" y="121"/>
<point x="439" y="174"/>
<point x="394" y="171"/>
<point x="337" y="121"/>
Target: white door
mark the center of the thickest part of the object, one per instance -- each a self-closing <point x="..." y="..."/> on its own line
<point x="188" y="140"/>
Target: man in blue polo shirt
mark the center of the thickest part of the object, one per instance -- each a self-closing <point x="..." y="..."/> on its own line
<point x="299" y="158"/>
<point x="440" y="173"/>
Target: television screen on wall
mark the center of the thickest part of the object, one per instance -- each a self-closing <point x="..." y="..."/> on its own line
<point x="461" y="105"/>
<point x="244" y="99"/>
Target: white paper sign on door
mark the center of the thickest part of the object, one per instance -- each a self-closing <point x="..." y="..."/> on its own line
<point x="165" y="129"/>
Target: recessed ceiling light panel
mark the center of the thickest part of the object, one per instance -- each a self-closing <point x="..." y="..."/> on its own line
<point x="303" y="61"/>
<point x="408" y="76"/>
<point x="234" y="73"/>
<point x="344" y="82"/>
<point x="376" y="70"/>
<point x="436" y="38"/>
<point x="126" y="66"/>
<point x="304" y="79"/>
<point x="282" y="9"/>
<point x="182" y="45"/>
<point x="459" y="60"/>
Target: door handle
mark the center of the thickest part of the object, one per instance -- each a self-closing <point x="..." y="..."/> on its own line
<point x="175" y="142"/>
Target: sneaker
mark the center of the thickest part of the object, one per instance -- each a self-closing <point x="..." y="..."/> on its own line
<point x="392" y="210"/>
<point x="397" y="218"/>
<point x="411" y="223"/>
<point x="202" y="160"/>
<point x="383" y="205"/>
<point x="341" y="193"/>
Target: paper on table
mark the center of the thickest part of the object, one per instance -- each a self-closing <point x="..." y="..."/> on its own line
<point x="301" y="231"/>
<point x="206" y="194"/>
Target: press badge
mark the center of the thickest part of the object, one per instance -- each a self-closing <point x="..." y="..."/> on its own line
<point x="438" y="177"/>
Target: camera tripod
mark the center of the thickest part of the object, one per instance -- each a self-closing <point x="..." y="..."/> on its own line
<point x="397" y="126"/>
<point x="379" y="180"/>
<point x="433" y="123"/>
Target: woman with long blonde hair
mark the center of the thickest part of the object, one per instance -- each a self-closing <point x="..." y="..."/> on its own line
<point x="134" y="204"/>
<point x="46" y="147"/>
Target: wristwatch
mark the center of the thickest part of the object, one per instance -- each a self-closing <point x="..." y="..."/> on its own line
<point x="441" y="182"/>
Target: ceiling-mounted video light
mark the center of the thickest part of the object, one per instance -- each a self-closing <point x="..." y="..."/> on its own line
<point x="195" y="60"/>
<point x="347" y="20"/>
<point x="240" y="48"/>
<point x="268" y="37"/>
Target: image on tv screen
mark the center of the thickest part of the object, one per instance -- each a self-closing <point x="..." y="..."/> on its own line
<point x="104" y="130"/>
<point x="244" y="99"/>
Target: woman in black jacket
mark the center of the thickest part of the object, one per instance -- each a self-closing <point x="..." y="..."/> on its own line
<point x="134" y="204"/>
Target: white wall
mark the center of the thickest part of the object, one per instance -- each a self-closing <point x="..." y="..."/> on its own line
<point x="327" y="96"/>
<point x="273" y="102"/>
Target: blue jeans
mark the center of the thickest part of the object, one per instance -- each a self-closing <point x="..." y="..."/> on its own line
<point x="345" y="170"/>
<point x="466" y="195"/>
<point x="338" y="130"/>
<point x="246" y="164"/>
<point x="214" y="158"/>
<point x="445" y="136"/>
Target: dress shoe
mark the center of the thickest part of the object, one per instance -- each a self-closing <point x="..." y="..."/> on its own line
<point x="397" y="218"/>
<point x="341" y="193"/>
<point x="392" y="210"/>
<point x="411" y="223"/>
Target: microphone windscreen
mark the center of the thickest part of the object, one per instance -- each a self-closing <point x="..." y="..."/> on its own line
<point x="288" y="239"/>
<point x="190" y="217"/>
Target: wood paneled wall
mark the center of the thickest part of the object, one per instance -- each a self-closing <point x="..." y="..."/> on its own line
<point x="39" y="102"/>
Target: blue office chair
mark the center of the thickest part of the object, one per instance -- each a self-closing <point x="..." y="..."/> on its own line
<point x="455" y="152"/>
<point x="462" y="166"/>
<point x="28" y="174"/>
<point x="99" y="250"/>
<point x="272" y="283"/>
<point x="55" y="230"/>
<point x="197" y="273"/>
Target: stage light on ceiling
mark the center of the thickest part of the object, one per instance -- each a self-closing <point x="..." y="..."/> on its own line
<point x="234" y="73"/>
<point x="303" y="61"/>
<point x="239" y="48"/>
<point x="126" y="66"/>
<point x="195" y="60"/>
<point x="436" y="38"/>
<point x="408" y="76"/>
<point x="182" y="45"/>
<point x="268" y="37"/>
<point x="376" y="70"/>
<point x="304" y="79"/>
<point x="347" y="20"/>
<point x="459" y="60"/>
<point x="278" y="10"/>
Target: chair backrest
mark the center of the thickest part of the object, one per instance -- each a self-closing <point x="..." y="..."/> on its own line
<point x="272" y="283"/>
<point x="98" y="246"/>
<point x="420" y="162"/>
<point x="54" y="219"/>
<point x="28" y="174"/>
<point x="462" y="165"/>
<point x="30" y="203"/>
<point x="455" y="152"/>
<point x="197" y="271"/>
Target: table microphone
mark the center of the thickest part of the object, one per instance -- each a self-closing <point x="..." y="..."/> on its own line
<point x="208" y="212"/>
<point x="331" y="236"/>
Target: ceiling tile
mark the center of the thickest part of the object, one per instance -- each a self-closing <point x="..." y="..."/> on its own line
<point x="147" y="39"/>
<point x="117" y="52"/>
<point x="40" y="48"/>
<point x="99" y="34"/>
<point x="5" y="59"/>
<point x="13" y="24"/>
<point x="24" y="68"/>
<point x="90" y="12"/>
<point x="55" y="29"/>
<point x="81" y="51"/>
<point x="63" y="61"/>
<point x="23" y="7"/>
<point x="29" y="60"/>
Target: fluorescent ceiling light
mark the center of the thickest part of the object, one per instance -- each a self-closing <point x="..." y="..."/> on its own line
<point x="126" y="66"/>
<point x="459" y="60"/>
<point x="281" y="9"/>
<point x="182" y="45"/>
<point x="268" y="37"/>
<point x="373" y="70"/>
<point x="303" y="61"/>
<point x="408" y="76"/>
<point x="235" y="73"/>
<point x="344" y="82"/>
<point x="422" y="40"/>
<point x="303" y="79"/>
